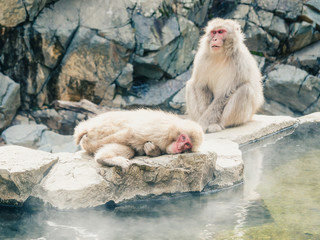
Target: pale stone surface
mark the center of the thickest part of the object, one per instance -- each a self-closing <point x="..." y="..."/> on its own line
<point x="260" y="126"/>
<point x="20" y="170"/>
<point x="9" y="100"/>
<point x="73" y="183"/>
<point x="229" y="165"/>
<point x="76" y="181"/>
<point x="313" y="117"/>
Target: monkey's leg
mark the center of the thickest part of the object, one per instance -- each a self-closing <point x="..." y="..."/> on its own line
<point x="114" y="154"/>
<point x="240" y="107"/>
<point x="151" y="150"/>
<point x="198" y="99"/>
<point x="210" y="120"/>
<point x="92" y="143"/>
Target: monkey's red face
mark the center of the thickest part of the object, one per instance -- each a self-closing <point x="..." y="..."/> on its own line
<point x="182" y="144"/>
<point x="217" y="37"/>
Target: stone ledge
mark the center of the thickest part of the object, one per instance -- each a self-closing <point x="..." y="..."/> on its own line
<point x="76" y="181"/>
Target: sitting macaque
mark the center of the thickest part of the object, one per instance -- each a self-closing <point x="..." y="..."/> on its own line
<point x="115" y="137"/>
<point x="225" y="88"/>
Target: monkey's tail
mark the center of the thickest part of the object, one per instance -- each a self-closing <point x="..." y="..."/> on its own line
<point x="79" y="132"/>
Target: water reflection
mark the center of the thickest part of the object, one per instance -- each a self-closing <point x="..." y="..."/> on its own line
<point x="278" y="200"/>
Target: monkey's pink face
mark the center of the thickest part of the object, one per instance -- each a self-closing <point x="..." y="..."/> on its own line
<point x="182" y="144"/>
<point x="217" y="37"/>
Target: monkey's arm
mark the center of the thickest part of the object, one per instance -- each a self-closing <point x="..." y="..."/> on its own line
<point x="213" y="119"/>
<point x="210" y="120"/>
<point x="198" y="99"/>
<point x="151" y="150"/>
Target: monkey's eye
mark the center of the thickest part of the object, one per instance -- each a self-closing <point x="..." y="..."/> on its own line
<point x="183" y="137"/>
<point x="213" y="32"/>
<point x="220" y="31"/>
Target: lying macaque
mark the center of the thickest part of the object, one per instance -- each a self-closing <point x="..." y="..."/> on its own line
<point x="115" y="137"/>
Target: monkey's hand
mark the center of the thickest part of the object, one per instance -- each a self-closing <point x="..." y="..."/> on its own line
<point x="151" y="150"/>
<point x="210" y="127"/>
<point x="214" y="128"/>
<point x="121" y="162"/>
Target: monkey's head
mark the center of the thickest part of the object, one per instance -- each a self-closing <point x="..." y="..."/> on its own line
<point x="223" y="36"/>
<point x="186" y="138"/>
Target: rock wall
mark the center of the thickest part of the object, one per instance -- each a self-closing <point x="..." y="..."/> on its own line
<point x="121" y="53"/>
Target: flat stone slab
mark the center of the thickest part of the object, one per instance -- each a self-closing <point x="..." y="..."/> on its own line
<point x="260" y="126"/>
<point x="20" y="170"/>
<point x="77" y="181"/>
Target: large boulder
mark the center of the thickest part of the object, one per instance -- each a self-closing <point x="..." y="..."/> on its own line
<point x="24" y="135"/>
<point x="303" y="89"/>
<point x="308" y="58"/>
<point x="78" y="182"/>
<point x="9" y="100"/>
<point x="37" y="136"/>
<point x="20" y="170"/>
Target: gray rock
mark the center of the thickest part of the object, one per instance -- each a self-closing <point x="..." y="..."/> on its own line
<point x="125" y="78"/>
<point x="84" y="66"/>
<point x="279" y="28"/>
<point x="62" y="121"/>
<point x="9" y="100"/>
<point x="241" y="11"/>
<point x="302" y="89"/>
<point x="56" y="143"/>
<point x="48" y="117"/>
<point x="253" y="17"/>
<point x="265" y="18"/>
<point x="24" y="135"/>
<point x="274" y="108"/>
<point x="290" y="10"/>
<point x="156" y="93"/>
<point x="20" y="170"/>
<point x="195" y="11"/>
<point x="314" y="4"/>
<point x="178" y="102"/>
<point x="269" y="5"/>
<point x="301" y="35"/>
<point x="167" y="59"/>
<point x="258" y="40"/>
<point x="309" y="94"/>
<point x="260" y="61"/>
<point x="311" y="15"/>
<point x="307" y="58"/>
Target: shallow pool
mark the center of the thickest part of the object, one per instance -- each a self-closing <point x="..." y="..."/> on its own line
<point x="279" y="199"/>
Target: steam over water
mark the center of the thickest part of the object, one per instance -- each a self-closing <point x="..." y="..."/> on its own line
<point x="279" y="199"/>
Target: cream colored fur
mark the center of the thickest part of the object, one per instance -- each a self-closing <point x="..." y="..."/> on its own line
<point x="124" y="134"/>
<point x="225" y="88"/>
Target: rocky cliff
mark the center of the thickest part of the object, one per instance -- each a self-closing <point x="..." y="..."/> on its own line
<point x="121" y="53"/>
